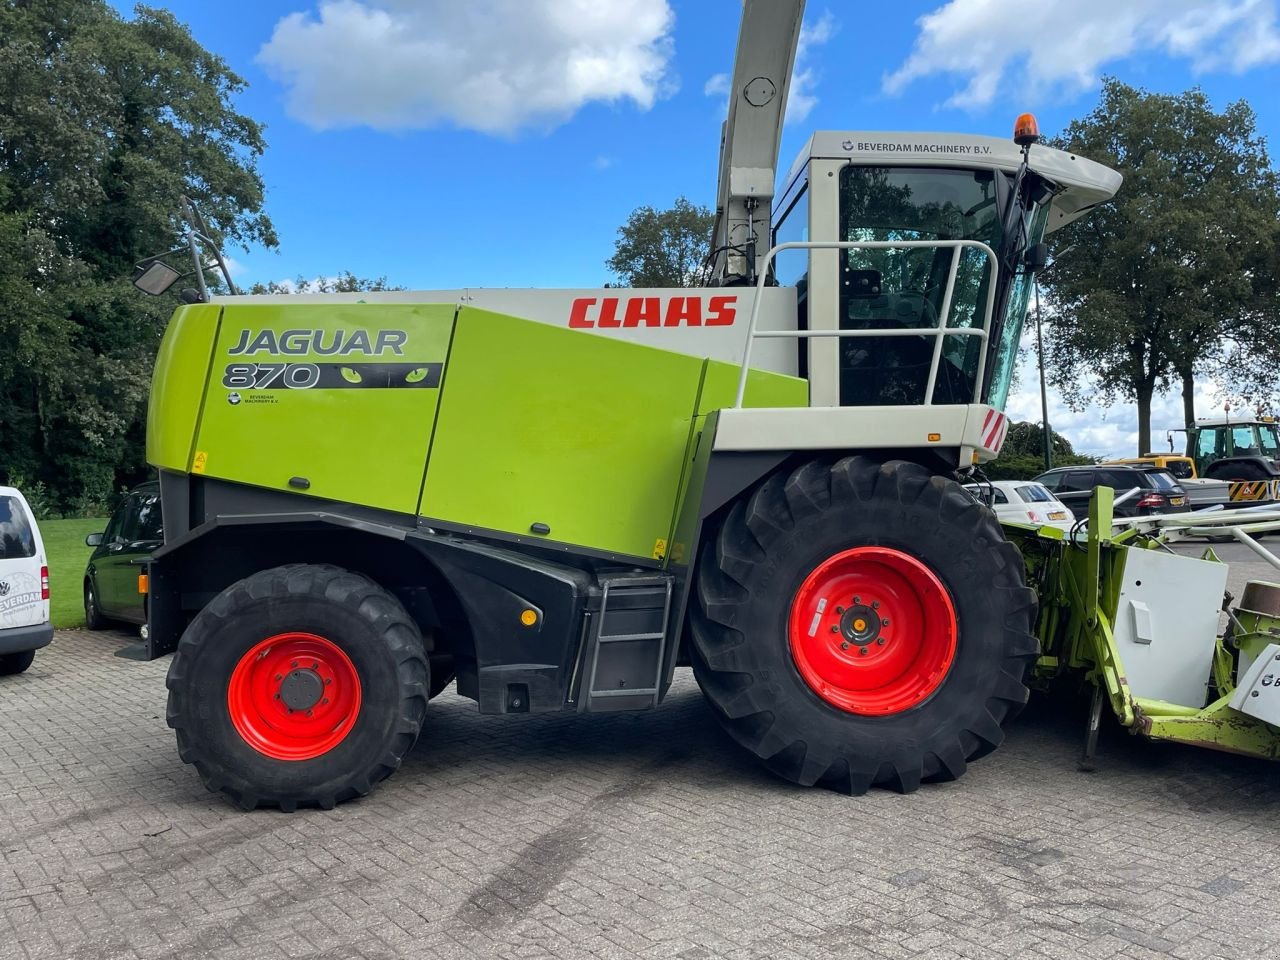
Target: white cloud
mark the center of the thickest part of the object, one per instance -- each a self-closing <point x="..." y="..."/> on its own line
<point x="496" y="66"/>
<point x="801" y="98"/>
<point x="235" y="267"/>
<point x="602" y="162"/>
<point x="1056" y="48"/>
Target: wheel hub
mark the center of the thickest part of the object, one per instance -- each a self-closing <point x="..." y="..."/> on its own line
<point x="873" y="631"/>
<point x="860" y="625"/>
<point x="301" y="689"/>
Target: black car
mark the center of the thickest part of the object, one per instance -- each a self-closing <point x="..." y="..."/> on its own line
<point x="1157" y="490"/>
<point x="111" y="590"/>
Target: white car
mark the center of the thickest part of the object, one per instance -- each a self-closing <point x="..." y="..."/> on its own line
<point x="1024" y="501"/>
<point x="24" y="585"/>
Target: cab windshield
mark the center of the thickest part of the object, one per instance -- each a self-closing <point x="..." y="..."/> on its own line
<point x="1269" y="440"/>
<point x="905" y="288"/>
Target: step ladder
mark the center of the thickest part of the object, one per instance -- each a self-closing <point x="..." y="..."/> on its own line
<point x="626" y="644"/>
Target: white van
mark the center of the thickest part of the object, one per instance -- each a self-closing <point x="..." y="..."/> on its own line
<point x="24" y="585"/>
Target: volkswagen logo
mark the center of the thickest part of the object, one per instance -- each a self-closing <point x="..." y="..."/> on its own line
<point x="4" y="588"/>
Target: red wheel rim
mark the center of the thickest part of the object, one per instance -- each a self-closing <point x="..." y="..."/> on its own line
<point x="873" y="631"/>
<point x="294" y="696"/>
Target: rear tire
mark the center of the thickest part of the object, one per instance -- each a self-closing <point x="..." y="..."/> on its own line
<point x="965" y="659"/>
<point x="12" y="663"/>
<point x="302" y="685"/>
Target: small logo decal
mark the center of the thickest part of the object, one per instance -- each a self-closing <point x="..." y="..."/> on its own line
<point x="4" y="588"/>
<point x="233" y="398"/>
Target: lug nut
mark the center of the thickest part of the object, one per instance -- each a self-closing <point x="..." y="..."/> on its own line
<point x="880" y="641"/>
<point x="835" y="629"/>
<point x="857" y="599"/>
<point x="862" y="651"/>
<point x="294" y="664"/>
<point x="875" y="604"/>
<point x="277" y="696"/>
<point x="324" y="701"/>
<point x="308" y="713"/>
<point x="845" y="645"/>
<point x="884" y="622"/>
<point x="279" y="676"/>
<point x="328" y="680"/>
<point x="840" y="610"/>
<point x="315" y="665"/>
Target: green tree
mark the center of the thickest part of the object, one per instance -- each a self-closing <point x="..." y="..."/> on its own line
<point x="1022" y="456"/>
<point x="663" y="248"/>
<point x="1169" y="280"/>
<point x="105" y="123"/>
<point x="344" y="282"/>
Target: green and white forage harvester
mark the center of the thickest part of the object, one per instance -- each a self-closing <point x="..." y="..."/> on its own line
<point x="557" y="497"/>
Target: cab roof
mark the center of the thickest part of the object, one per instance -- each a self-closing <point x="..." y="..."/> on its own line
<point x="1084" y="184"/>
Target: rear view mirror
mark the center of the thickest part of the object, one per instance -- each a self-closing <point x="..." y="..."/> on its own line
<point x="1036" y="257"/>
<point x="155" y="277"/>
<point x="93" y="540"/>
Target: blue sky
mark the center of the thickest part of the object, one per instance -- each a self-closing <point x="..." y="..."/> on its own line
<point x="502" y="142"/>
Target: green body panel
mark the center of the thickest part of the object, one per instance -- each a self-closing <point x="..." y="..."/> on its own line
<point x="346" y="438"/>
<point x="764" y="389"/>
<point x="586" y="434"/>
<point x="468" y="417"/>
<point x="181" y="365"/>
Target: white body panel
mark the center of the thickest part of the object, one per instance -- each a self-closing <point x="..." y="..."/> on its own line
<point x="1206" y="493"/>
<point x="702" y="322"/>
<point x="977" y="430"/>
<point x="762" y="68"/>
<point x="20" y="587"/>
<point x="1258" y="694"/>
<point x="1167" y="623"/>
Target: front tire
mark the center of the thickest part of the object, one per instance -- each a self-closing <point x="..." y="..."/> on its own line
<point x="13" y="663"/>
<point x="863" y="624"/>
<point x="93" y="618"/>
<point x="302" y="685"/>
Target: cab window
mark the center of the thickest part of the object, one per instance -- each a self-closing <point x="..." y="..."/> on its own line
<point x="1243" y="442"/>
<point x="17" y="540"/>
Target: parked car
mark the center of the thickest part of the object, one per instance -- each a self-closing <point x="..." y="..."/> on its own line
<point x="1157" y="490"/>
<point x="111" y="589"/>
<point x="24" y="585"/>
<point x="1024" y="501"/>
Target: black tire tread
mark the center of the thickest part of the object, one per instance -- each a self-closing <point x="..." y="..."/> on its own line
<point x="385" y="614"/>
<point x="718" y="647"/>
<point x="15" y="663"/>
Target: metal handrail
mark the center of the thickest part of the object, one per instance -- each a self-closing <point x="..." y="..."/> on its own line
<point x="938" y="333"/>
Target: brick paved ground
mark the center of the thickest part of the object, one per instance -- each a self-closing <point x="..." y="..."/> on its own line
<point x="608" y="837"/>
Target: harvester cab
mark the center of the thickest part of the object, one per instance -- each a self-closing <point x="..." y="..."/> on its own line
<point x="1244" y="451"/>
<point x="557" y="497"/>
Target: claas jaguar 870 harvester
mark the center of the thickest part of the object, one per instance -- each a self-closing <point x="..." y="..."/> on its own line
<point x="557" y="497"/>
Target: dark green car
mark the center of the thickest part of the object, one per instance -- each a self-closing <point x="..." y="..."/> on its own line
<point x="111" y="593"/>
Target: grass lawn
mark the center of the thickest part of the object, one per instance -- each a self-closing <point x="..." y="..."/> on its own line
<point x="64" y="546"/>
